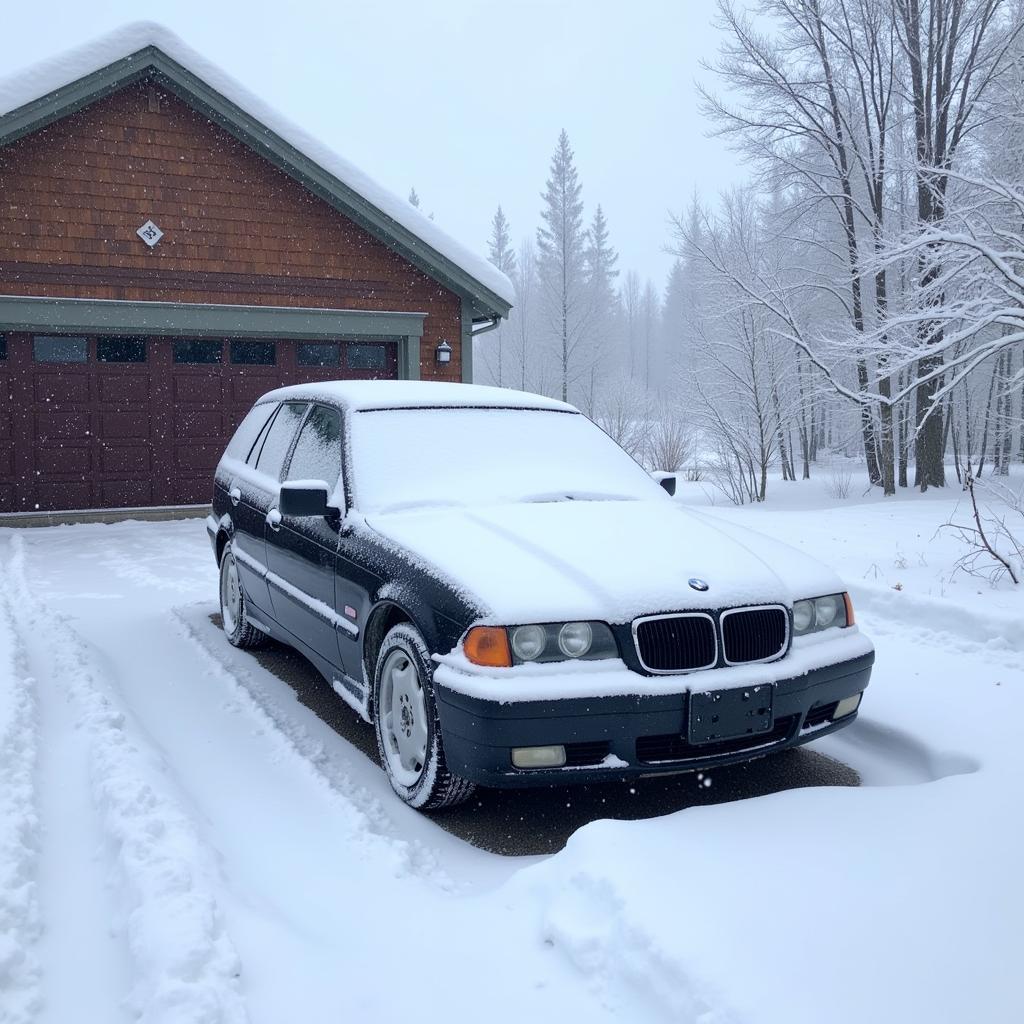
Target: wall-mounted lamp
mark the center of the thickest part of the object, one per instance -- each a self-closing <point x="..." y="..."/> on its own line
<point x="443" y="353"/>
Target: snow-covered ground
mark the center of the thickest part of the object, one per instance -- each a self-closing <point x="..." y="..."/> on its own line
<point x="182" y="841"/>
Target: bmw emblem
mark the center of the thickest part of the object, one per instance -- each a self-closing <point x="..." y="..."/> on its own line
<point x="698" y="584"/>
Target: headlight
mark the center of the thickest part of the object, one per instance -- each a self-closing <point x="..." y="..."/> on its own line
<point x="803" y="616"/>
<point x="575" y="638"/>
<point x="528" y="642"/>
<point x="817" y="613"/>
<point x="562" y="641"/>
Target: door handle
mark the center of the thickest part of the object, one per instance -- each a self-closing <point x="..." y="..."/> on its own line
<point x="274" y="519"/>
<point x="235" y="495"/>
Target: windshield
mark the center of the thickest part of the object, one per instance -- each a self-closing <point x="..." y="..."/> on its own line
<point x="406" y="458"/>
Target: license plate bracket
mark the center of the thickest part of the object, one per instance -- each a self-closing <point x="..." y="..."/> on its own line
<point x="730" y="714"/>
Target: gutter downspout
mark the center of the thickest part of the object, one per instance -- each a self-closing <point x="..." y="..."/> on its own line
<point x="490" y="324"/>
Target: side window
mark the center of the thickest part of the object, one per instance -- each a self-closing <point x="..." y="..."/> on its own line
<point x="317" y="454"/>
<point x="248" y="431"/>
<point x="279" y="439"/>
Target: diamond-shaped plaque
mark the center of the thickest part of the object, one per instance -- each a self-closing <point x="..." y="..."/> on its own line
<point x="150" y="233"/>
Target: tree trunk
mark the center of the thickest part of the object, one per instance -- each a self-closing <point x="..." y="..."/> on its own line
<point x="929" y="470"/>
<point x="867" y="423"/>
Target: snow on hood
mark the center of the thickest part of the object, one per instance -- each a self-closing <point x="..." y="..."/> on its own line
<point x="603" y="560"/>
<point x="32" y="83"/>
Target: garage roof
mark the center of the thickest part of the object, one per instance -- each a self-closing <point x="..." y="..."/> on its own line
<point x="51" y="90"/>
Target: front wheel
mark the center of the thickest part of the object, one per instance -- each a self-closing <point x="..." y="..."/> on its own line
<point x="237" y="627"/>
<point x="408" y="729"/>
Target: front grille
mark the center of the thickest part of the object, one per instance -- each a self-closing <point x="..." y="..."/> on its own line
<point x="820" y="715"/>
<point x="754" y="634"/>
<point x="674" y="747"/>
<point x="577" y="755"/>
<point x="676" y="643"/>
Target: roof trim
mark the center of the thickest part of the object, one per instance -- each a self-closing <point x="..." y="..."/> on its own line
<point x="183" y="319"/>
<point x="151" y="61"/>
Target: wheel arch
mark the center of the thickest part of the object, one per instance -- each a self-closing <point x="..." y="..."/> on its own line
<point x="386" y="614"/>
<point x="221" y="542"/>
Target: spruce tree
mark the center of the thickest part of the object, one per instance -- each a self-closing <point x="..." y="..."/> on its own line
<point x="603" y="302"/>
<point x="561" y="244"/>
<point x="503" y="256"/>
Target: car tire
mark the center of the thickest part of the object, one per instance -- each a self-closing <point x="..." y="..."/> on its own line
<point x="407" y="724"/>
<point x="234" y="617"/>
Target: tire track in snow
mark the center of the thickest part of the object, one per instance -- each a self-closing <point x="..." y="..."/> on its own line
<point x="186" y="966"/>
<point x="586" y="919"/>
<point x="20" y="927"/>
<point x="368" y="821"/>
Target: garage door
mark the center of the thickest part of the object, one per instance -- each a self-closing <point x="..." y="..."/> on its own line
<point x="123" y="422"/>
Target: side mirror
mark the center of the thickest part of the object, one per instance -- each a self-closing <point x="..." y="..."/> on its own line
<point x="667" y="481"/>
<point x="304" y="498"/>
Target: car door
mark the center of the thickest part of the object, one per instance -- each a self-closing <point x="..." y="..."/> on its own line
<point x="256" y="489"/>
<point x="249" y="499"/>
<point x="302" y="550"/>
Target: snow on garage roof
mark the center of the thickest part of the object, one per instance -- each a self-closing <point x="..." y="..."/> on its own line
<point x="60" y="85"/>
<point x="410" y="394"/>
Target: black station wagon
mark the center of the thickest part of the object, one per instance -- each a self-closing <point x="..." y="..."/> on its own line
<point x="511" y="599"/>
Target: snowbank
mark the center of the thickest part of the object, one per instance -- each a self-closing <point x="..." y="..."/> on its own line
<point x="19" y="824"/>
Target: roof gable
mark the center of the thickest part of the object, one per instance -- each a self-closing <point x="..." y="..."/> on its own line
<point x="57" y="88"/>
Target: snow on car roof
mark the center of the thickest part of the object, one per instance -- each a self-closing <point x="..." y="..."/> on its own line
<point x="37" y="81"/>
<point x="361" y="395"/>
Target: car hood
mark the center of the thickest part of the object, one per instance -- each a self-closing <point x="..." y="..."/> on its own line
<point x="607" y="560"/>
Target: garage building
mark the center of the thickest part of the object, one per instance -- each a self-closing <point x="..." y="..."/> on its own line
<point x="170" y="250"/>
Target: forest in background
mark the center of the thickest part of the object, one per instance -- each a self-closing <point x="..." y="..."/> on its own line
<point x="860" y="297"/>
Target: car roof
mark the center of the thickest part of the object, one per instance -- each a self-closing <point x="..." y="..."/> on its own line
<point x="364" y="395"/>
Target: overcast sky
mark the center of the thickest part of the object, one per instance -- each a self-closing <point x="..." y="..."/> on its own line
<point x="463" y="99"/>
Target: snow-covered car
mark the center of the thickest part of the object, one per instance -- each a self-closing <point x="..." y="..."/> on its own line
<point x="511" y="599"/>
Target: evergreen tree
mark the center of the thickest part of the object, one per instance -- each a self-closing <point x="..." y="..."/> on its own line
<point x="503" y="256"/>
<point x="561" y="244"/>
<point x="414" y="198"/>
<point x="601" y="272"/>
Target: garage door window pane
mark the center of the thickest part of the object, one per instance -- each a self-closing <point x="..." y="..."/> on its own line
<point x="49" y="348"/>
<point x="317" y="454"/>
<point x="317" y="353"/>
<point x="253" y="353"/>
<point x="279" y="439"/>
<point x="196" y="350"/>
<point x="121" y="350"/>
<point x="366" y="357"/>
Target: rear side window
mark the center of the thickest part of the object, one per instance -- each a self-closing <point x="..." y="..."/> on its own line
<point x="317" y="454"/>
<point x="279" y="439"/>
<point x="248" y="430"/>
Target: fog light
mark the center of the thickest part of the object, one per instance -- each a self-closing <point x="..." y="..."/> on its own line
<point x="538" y="757"/>
<point x="847" y="706"/>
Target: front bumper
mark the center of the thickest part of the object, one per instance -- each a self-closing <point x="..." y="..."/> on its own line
<point x="611" y="737"/>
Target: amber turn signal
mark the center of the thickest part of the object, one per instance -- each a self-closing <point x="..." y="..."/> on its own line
<point x="488" y="646"/>
<point x="850" y="620"/>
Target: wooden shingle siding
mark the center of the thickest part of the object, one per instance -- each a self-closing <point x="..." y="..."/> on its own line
<point x="236" y="229"/>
